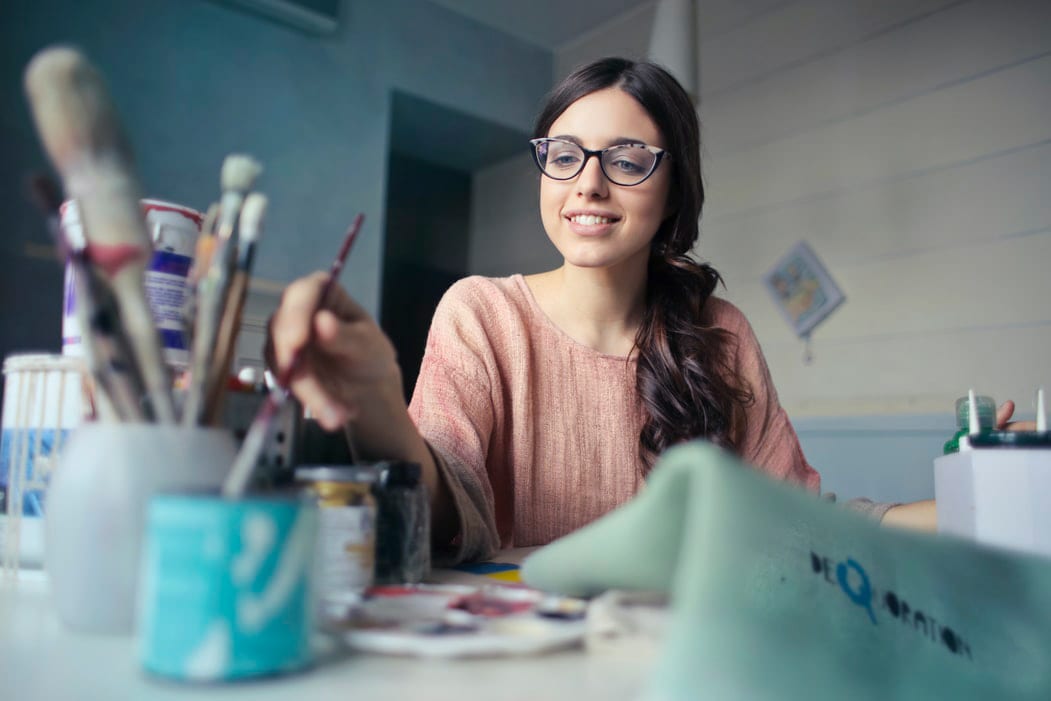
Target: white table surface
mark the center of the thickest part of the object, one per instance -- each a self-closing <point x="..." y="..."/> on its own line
<point x="40" y="659"/>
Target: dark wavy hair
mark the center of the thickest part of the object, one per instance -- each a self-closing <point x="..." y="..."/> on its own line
<point x="685" y="377"/>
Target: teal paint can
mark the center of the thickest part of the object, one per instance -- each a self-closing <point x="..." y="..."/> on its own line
<point x="226" y="589"/>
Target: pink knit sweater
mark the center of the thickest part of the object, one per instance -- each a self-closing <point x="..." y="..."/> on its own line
<point x="536" y="434"/>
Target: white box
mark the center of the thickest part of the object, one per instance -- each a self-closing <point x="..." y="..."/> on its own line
<point x="998" y="496"/>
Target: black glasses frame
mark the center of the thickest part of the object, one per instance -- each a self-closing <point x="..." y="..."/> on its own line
<point x="660" y="154"/>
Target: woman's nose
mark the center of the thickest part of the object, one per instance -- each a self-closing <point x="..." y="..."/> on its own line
<point x="592" y="181"/>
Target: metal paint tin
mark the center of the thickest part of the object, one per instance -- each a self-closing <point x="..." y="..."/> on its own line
<point x="346" y="544"/>
<point x="174" y="230"/>
<point x="227" y="588"/>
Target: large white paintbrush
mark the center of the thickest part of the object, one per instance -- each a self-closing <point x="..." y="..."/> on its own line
<point x="81" y="133"/>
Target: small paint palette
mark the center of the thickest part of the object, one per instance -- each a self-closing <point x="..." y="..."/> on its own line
<point x="463" y="621"/>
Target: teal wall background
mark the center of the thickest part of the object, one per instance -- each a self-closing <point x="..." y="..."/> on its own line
<point x="195" y="80"/>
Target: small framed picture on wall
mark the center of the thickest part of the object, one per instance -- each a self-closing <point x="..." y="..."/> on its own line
<point x="802" y="289"/>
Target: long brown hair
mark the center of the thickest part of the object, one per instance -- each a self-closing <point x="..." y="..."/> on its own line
<point x="685" y="377"/>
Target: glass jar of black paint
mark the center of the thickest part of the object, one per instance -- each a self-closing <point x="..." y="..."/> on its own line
<point x="403" y="524"/>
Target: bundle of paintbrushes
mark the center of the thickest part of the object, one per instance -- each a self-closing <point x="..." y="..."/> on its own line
<point x="80" y="131"/>
<point x="83" y="137"/>
<point x="222" y="268"/>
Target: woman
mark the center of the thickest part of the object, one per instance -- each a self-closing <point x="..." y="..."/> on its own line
<point x="543" y="400"/>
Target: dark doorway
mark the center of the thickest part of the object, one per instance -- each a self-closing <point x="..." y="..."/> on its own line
<point x="434" y="150"/>
<point x="428" y="233"/>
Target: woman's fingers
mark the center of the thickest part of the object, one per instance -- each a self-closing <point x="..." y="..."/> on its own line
<point x="291" y="323"/>
<point x="1004" y="414"/>
<point x="1003" y="419"/>
<point x="345" y="357"/>
<point x="360" y="345"/>
<point x="332" y="412"/>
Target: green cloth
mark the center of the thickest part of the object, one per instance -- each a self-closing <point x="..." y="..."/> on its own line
<point x="778" y="595"/>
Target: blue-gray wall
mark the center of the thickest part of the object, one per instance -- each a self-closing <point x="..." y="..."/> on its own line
<point x="195" y="80"/>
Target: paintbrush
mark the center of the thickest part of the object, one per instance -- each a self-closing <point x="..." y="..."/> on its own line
<point x="248" y="456"/>
<point x="238" y="174"/>
<point x="80" y="131"/>
<point x="249" y="230"/>
<point x="47" y="196"/>
<point x="202" y="256"/>
<point x="107" y="349"/>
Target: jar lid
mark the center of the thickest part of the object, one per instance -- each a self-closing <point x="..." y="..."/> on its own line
<point x="335" y="473"/>
<point x="161" y="206"/>
<point x="986" y="412"/>
<point x="37" y="362"/>
<point x="400" y="474"/>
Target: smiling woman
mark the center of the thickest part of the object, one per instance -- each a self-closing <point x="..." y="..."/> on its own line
<point x="543" y="400"/>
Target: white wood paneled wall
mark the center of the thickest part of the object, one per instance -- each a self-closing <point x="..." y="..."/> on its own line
<point x="909" y="142"/>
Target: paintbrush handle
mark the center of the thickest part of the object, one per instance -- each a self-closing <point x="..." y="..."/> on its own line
<point x="108" y="352"/>
<point x="252" y="447"/>
<point x="211" y="297"/>
<point x="285" y="377"/>
<point x="225" y="345"/>
<point x="248" y="456"/>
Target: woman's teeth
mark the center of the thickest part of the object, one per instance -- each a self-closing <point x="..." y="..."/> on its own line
<point x="590" y="219"/>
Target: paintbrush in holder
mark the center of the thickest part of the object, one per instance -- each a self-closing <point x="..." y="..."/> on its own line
<point x="79" y="129"/>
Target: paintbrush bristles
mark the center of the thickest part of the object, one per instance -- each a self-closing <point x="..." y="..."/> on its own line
<point x="239" y="172"/>
<point x="82" y="135"/>
<point x="73" y="113"/>
<point x="237" y="176"/>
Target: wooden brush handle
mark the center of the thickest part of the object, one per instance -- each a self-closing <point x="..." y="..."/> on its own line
<point x="225" y="344"/>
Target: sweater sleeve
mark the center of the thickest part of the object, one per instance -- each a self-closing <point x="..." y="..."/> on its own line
<point x="453" y="410"/>
<point x="874" y="510"/>
<point x="769" y="441"/>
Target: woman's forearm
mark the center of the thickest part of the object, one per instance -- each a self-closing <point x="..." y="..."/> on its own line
<point x="385" y="431"/>
<point x="917" y="515"/>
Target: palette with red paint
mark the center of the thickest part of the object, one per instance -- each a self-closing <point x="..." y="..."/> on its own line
<point x="461" y="621"/>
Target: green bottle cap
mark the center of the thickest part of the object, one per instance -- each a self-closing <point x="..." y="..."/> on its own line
<point x="986" y="413"/>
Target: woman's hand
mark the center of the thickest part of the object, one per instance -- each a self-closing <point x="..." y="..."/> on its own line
<point x="1003" y="419"/>
<point x="923" y="515"/>
<point x="916" y="515"/>
<point x="348" y="376"/>
<point x="347" y="362"/>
